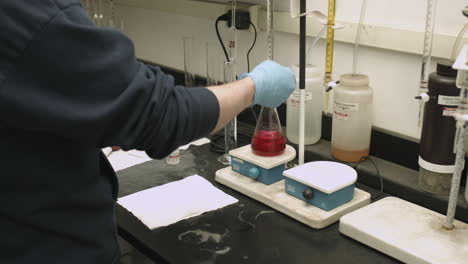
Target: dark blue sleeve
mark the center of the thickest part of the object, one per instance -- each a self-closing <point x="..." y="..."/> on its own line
<point x="84" y="83"/>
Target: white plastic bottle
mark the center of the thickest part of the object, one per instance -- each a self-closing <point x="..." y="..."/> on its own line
<point x="352" y="118"/>
<point x="314" y="93"/>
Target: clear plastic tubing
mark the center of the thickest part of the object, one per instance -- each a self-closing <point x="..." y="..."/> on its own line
<point x="358" y="35"/>
<point x="314" y="43"/>
<point x="456" y="45"/>
<point x="330" y="47"/>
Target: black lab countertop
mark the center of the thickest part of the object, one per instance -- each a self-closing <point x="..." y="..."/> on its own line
<point x="245" y="232"/>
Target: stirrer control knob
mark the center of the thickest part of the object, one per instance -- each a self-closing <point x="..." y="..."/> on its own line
<point x="308" y="194"/>
<point x="254" y="173"/>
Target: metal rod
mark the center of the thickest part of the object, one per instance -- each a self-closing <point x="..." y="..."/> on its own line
<point x="459" y="165"/>
<point x="302" y="46"/>
<point x="461" y="117"/>
<point x="302" y="68"/>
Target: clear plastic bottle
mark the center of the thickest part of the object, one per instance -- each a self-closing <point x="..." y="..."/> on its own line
<point x="352" y="118"/>
<point x="313" y="107"/>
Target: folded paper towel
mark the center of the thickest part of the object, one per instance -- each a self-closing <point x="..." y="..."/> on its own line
<point x="169" y="203"/>
<point x="125" y="159"/>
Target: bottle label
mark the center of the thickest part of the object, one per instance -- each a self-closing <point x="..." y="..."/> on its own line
<point x="448" y="100"/>
<point x="295" y="98"/>
<point x="340" y="115"/>
<point x="345" y="107"/>
<point x="449" y="111"/>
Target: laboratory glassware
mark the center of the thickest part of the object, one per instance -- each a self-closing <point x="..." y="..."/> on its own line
<point x="189" y="61"/>
<point x="330" y="49"/>
<point x="230" y="133"/>
<point x="313" y="107"/>
<point x="270" y="33"/>
<point x="458" y="42"/>
<point x="427" y="54"/>
<point x="112" y="14"/>
<point x="99" y="14"/>
<point x="268" y="139"/>
<point x="214" y="64"/>
<point x="436" y="157"/>
<point x="230" y="75"/>
<point x="94" y="11"/>
<point x="352" y="118"/>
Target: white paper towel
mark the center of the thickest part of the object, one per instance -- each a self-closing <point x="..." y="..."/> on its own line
<point x="199" y="142"/>
<point x="169" y="203"/>
<point x="125" y="159"/>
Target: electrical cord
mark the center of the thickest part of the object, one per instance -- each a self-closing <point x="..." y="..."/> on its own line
<point x="362" y="159"/>
<point x="244" y="137"/>
<point x="253" y="45"/>
<point x="221" y="18"/>
<point x="248" y="63"/>
<point x="217" y="147"/>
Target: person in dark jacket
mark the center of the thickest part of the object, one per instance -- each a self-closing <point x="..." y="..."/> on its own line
<point x="69" y="88"/>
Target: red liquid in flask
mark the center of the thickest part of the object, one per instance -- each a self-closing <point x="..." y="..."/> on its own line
<point x="268" y="143"/>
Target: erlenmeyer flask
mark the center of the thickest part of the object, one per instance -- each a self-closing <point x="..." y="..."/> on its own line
<point x="268" y="139"/>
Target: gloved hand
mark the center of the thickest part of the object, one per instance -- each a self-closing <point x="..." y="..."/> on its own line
<point x="273" y="83"/>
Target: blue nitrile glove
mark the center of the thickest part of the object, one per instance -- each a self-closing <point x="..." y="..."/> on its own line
<point x="273" y="83"/>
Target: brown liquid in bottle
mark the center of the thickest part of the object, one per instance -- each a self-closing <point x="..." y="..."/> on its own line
<point x="349" y="156"/>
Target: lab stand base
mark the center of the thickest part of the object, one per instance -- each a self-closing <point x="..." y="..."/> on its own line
<point x="275" y="196"/>
<point x="407" y="232"/>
